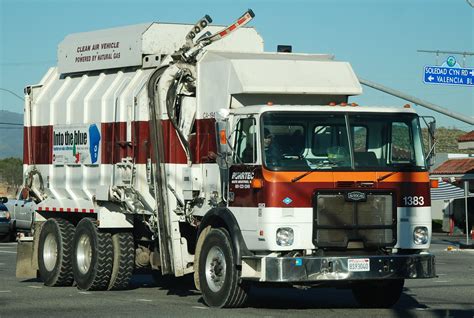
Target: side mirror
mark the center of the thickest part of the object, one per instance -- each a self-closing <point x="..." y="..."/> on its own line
<point x="223" y="149"/>
<point x="3" y="199"/>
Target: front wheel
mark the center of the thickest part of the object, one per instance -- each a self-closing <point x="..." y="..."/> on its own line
<point x="219" y="278"/>
<point x="378" y="294"/>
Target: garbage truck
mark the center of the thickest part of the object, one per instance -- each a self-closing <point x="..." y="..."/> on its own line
<point x="189" y="149"/>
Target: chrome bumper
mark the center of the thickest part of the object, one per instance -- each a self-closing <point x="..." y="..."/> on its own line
<point x="314" y="269"/>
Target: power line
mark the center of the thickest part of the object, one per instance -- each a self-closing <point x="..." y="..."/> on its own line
<point x="12" y="124"/>
<point x="11" y="92"/>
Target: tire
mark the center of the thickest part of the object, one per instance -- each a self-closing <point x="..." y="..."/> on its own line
<point x="55" y="252"/>
<point x="93" y="256"/>
<point x="378" y="294"/>
<point x="123" y="260"/>
<point x="219" y="278"/>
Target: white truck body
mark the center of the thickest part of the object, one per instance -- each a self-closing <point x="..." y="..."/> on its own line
<point x="99" y="147"/>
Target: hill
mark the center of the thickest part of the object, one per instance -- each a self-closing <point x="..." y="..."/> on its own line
<point x="446" y="140"/>
<point x="11" y="137"/>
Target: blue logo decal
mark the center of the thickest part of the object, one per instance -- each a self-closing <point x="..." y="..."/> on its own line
<point x="94" y="140"/>
<point x="298" y="262"/>
<point x="287" y="200"/>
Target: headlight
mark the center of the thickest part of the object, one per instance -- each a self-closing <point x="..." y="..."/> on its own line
<point x="420" y="235"/>
<point x="285" y="236"/>
<point x="4" y="214"/>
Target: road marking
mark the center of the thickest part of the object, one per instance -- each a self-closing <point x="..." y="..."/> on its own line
<point x="199" y="307"/>
<point x="8" y="252"/>
<point x="441" y="281"/>
<point x="37" y="287"/>
<point x="141" y="299"/>
<point x="441" y="274"/>
<point x="5" y="291"/>
<point x="85" y="293"/>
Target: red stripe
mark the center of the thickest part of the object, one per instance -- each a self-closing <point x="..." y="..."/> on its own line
<point x="40" y="208"/>
<point x="91" y="211"/>
<point x="76" y="210"/>
<point x="61" y="210"/>
<point x="54" y="209"/>
<point x="113" y="147"/>
<point x="46" y="209"/>
<point x="68" y="210"/>
<point x="242" y="20"/>
<point x="223" y="33"/>
<point x="84" y="210"/>
<point x="232" y="27"/>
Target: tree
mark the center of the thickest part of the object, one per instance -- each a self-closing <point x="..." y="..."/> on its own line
<point x="11" y="171"/>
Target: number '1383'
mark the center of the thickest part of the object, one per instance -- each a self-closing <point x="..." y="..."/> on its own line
<point x="411" y="201"/>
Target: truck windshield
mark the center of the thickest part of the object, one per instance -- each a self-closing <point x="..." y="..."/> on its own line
<point x="362" y="141"/>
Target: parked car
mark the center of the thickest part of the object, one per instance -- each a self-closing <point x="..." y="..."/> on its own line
<point x="5" y="234"/>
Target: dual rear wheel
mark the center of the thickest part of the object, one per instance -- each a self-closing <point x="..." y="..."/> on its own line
<point x="95" y="260"/>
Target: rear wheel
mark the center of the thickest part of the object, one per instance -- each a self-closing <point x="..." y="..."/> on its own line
<point x="378" y="294"/>
<point x="93" y="256"/>
<point x="55" y="251"/>
<point x="123" y="261"/>
<point x="219" y="278"/>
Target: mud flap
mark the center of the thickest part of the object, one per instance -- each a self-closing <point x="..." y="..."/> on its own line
<point x="24" y="259"/>
<point x="27" y="255"/>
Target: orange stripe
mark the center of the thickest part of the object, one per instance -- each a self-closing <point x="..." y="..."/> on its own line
<point x="327" y="176"/>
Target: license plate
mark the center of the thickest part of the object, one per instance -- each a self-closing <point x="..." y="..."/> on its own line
<point x="358" y="264"/>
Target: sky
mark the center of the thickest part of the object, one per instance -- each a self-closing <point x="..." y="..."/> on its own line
<point x="380" y="38"/>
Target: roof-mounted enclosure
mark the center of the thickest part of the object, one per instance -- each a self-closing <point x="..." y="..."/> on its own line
<point x="127" y="46"/>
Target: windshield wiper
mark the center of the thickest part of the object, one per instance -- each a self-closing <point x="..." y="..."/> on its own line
<point x="303" y="175"/>
<point x="387" y="175"/>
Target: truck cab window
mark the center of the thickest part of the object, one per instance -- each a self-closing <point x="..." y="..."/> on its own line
<point x="245" y="141"/>
<point x="402" y="147"/>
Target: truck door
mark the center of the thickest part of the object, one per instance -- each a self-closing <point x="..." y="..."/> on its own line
<point x="244" y="164"/>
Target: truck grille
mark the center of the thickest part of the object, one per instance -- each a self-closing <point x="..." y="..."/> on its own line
<point x="339" y="219"/>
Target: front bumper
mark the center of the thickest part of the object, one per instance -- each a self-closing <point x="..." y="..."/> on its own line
<point x="318" y="269"/>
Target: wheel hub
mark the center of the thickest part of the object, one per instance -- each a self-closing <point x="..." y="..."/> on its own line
<point x="215" y="269"/>
<point x="50" y="252"/>
<point x="84" y="253"/>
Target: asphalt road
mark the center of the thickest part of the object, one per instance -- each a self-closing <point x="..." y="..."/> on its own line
<point x="451" y="294"/>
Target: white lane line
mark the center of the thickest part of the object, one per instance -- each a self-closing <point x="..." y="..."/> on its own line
<point x="199" y="307"/>
<point x="37" y="287"/>
<point x="85" y="293"/>
<point x="5" y="291"/>
<point x="441" y="281"/>
<point x="441" y="274"/>
<point x="8" y="252"/>
<point x="142" y="299"/>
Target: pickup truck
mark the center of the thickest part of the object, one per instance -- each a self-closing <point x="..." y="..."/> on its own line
<point x="22" y="213"/>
